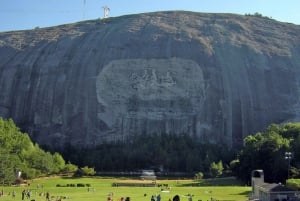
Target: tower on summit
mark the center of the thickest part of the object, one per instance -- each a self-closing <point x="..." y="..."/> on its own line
<point x="106" y="11"/>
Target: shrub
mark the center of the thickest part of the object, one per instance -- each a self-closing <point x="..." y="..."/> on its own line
<point x="199" y="176"/>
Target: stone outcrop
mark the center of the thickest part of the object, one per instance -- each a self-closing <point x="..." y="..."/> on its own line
<point x="218" y="77"/>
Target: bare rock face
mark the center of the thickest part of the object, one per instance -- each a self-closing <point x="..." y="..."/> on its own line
<point x="217" y="77"/>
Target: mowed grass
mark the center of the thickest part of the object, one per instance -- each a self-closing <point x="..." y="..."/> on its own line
<point x="101" y="187"/>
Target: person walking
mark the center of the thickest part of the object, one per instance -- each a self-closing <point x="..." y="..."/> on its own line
<point x="158" y="198"/>
<point x="23" y="194"/>
<point x="47" y="196"/>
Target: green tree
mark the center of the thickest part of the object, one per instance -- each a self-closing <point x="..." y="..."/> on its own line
<point x="265" y="150"/>
<point x="70" y="168"/>
<point x="7" y="168"/>
<point x="216" y="169"/>
<point x="59" y="163"/>
<point x="18" y="152"/>
<point x="88" y="171"/>
<point x="85" y="171"/>
<point x="199" y="176"/>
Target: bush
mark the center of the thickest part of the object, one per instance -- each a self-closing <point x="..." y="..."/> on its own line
<point x="80" y="185"/>
<point x="216" y="169"/>
<point x="85" y="171"/>
<point x="88" y="171"/>
<point x="70" y="168"/>
<point x="199" y="176"/>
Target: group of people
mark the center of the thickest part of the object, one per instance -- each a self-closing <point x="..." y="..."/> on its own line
<point x="26" y="193"/>
<point x="125" y="199"/>
<point x="13" y="193"/>
<point x="158" y="198"/>
<point x="153" y="198"/>
<point x="110" y="197"/>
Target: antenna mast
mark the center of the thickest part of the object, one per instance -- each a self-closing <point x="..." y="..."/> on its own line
<point x="83" y="12"/>
<point x="106" y="11"/>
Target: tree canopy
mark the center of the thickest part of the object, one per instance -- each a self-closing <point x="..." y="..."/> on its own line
<point x="19" y="154"/>
<point x="266" y="150"/>
<point x="170" y="153"/>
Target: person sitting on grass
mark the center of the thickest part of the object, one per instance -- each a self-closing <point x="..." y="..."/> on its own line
<point x="176" y="198"/>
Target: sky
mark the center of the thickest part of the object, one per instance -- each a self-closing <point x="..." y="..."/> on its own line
<point x="29" y="14"/>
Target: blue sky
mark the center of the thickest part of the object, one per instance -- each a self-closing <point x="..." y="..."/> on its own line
<point x="28" y="14"/>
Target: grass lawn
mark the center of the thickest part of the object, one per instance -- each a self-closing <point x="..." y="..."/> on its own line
<point x="101" y="187"/>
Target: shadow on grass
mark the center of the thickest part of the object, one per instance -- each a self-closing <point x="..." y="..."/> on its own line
<point x="228" y="181"/>
<point x="246" y="193"/>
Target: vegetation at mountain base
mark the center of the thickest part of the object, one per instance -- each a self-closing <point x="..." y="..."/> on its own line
<point x="166" y="153"/>
<point x="266" y="150"/>
<point x="19" y="154"/>
<point x="294" y="183"/>
<point x="182" y="153"/>
<point x="216" y="169"/>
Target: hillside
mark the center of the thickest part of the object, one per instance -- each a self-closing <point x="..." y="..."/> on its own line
<point x="218" y="77"/>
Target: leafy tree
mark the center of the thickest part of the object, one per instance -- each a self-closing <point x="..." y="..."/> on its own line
<point x="7" y="170"/>
<point x="199" y="176"/>
<point x="85" y="171"/>
<point x="59" y="163"/>
<point x="216" y="169"/>
<point x="265" y="150"/>
<point x="70" y="168"/>
<point x="18" y="152"/>
<point x="88" y="171"/>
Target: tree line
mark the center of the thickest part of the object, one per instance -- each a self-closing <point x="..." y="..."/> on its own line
<point x="166" y="153"/>
<point x="183" y="153"/>
<point x="267" y="151"/>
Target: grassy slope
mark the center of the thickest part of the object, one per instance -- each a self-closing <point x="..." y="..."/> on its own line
<point x="103" y="186"/>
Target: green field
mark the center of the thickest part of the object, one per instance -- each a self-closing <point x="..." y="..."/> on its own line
<point x="101" y="187"/>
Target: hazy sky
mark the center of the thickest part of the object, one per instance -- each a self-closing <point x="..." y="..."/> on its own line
<point x="28" y="14"/>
